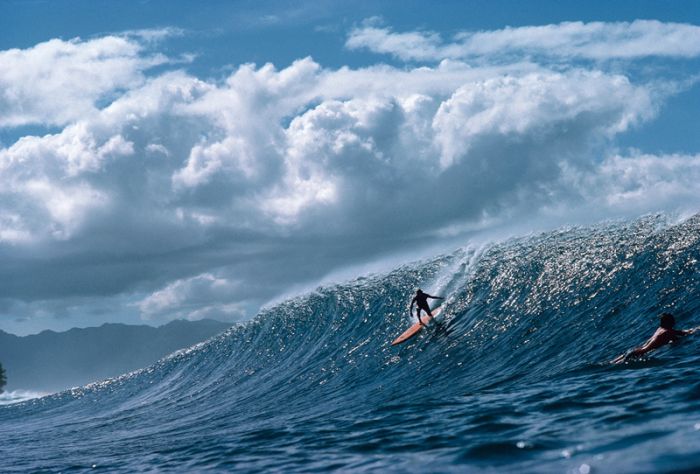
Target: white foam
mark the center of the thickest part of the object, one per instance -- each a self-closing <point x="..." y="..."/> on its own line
<point x="16" y="396"/>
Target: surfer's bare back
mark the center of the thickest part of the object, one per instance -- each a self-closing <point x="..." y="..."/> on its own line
<point x="665" y="334"/>
<point x="421" y="300"/>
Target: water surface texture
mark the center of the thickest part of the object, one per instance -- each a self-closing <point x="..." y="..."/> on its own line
<point x="514" y="379"/>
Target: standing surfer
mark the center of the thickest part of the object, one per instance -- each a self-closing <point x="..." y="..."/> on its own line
<point x="665" y="334"/>
<point x="421" y="300"/>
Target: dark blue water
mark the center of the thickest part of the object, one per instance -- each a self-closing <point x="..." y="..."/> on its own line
<point x="514" y="379"/>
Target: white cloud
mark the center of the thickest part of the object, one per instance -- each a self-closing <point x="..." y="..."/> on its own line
<point x="153" y="35"/>
<point x="57" y="82"/>
<point x="412" y="45"/>
<point x="640" y="183"/>
<point x="594" y="40"/>
<point x="46" y="181"/>
<point x="537" y="106"/>
<point x="233" y="156"/>
<point x="64" y="207"/>
<point x="274" y="150"/>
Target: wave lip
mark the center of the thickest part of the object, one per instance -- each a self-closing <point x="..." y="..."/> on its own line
<point x="17" y="396"/>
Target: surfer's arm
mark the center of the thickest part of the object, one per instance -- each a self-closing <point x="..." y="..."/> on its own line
<point x="618" y="359"/>
<point x="639" y="351"/>
<point x="654" y="342"/>
<point x="630" y="354"/>
<point x="435" y="297"/>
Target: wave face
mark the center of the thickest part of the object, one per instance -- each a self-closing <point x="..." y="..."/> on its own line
<point x="513" y="379"/>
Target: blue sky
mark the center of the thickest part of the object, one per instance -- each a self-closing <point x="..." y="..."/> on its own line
<point x="167" y="160"/>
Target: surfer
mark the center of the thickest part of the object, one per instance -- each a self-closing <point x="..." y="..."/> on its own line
<point x="421" y="300"/>
<point x="665" y="334"/>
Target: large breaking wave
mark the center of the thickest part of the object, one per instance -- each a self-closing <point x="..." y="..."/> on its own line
<point x="514" y="378"/>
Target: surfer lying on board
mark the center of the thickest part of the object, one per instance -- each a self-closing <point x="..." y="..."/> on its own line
<point x="421" y="299"/>
<point x="665" y="334"/>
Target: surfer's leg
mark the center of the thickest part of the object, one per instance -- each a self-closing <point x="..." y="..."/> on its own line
<point x="418" y="310"/>
<point x="427" y="310"/>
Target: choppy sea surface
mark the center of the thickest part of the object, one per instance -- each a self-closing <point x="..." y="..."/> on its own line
<point x="514" y="378"/>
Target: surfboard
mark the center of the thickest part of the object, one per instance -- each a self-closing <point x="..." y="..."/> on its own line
<point x="416" y="328"/>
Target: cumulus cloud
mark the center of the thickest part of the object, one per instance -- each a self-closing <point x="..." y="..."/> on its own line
<point x="641" y="182"/>
<point x="594" y="40"/>
<point x="205" y="198"/>
<point x="539" y="106"/>
<point x="56" y="82"/>
<point x="44" y="182"/>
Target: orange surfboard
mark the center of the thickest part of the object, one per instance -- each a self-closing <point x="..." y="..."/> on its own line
<point x="415" y="329"/>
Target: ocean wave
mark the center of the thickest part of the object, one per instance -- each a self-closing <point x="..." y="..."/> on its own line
<point x="513" y="378"/>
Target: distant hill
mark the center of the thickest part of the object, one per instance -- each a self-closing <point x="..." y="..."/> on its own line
<point x="52" y="361"/>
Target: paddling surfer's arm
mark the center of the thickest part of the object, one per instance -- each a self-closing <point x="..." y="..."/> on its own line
<point x="690" y="331"/>
<point x="638" y="351"/>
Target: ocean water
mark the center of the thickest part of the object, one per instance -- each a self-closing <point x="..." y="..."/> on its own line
<point x="514" y="378"/>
